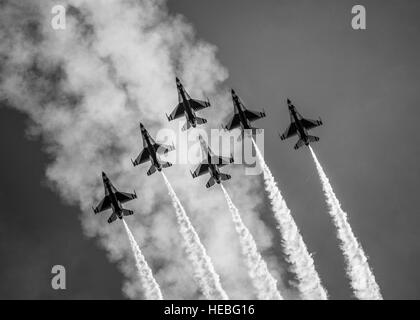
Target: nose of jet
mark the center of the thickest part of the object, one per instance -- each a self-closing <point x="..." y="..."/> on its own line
<point x="104" y="175"/>
<point x="177" y="80"/>
<point x="289" y="104"/>
<point x="233" y="92"/>
<point x="141" y="126"/>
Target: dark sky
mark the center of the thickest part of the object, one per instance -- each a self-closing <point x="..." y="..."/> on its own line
<point x="365" y="86"/>
<point x="38" y="231"/>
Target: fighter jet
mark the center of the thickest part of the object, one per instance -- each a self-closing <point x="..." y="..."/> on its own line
<point x="150" y="151"/>
<point x="242" y="117"/>
<point x="113" y="199"/>
<point x="211" y="165"/>
<point x="299" y="126"/>
<point x="187" y="107"/>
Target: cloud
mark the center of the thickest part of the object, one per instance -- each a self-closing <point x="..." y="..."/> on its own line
<point x="85" y="90"/>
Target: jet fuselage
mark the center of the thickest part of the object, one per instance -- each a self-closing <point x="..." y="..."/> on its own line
<point x="212" y="168"/>
<point x="300" y="129"/>
<point x="115" y="204"/>
<point x="151" y="149"/>
<point x="188" y="111"/>
<point x="242" y="118"/>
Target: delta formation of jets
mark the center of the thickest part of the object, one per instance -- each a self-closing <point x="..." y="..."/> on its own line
<point x="188" y="107"/>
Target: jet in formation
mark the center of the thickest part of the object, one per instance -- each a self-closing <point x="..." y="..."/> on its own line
<point x="242" y="117"/>
<point x="211" y="165"/>
<point x="300" y="126"/>
<point x="150" y="151"/>
<point x="187" y="107"/>
<point x="113" y="200"/>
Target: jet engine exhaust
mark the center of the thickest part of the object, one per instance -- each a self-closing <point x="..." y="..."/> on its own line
<point x="358" y="271"/>
<point x="150" y="286"/>
<point x="264" y="283"/>
<point x="302" y="264"/>
<point x="204" y="272"/>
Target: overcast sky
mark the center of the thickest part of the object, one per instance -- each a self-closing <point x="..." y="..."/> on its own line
<point x="363" y="84"/>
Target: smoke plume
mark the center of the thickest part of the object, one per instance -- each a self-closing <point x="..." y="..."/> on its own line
<point x="150" y="286"/>
<point x="309" y="283"/>
<point x="86" y="88"/>
<point x="263" y="281"/>
<point x="204" y="271"/>
<point x="361" y="277"/>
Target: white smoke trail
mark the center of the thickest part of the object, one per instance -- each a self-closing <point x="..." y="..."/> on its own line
<point x="263" y="281"/>
<point x="84" y="89"/>
<point x="204" y="272"/>
<point x="309" y="283"/>
<point x="361" y="277"/>
<point x="150" y="286"/>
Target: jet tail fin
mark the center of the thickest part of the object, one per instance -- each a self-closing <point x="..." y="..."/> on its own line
<point x="210" y="183"/>
<point x="151" y="170"/>
<point x="186" y="126"/>
<point x="313" y="139"/>
<point x="112" y="218"/>
<point x="166" y="164"/>
<point x="127" y="212"/>
<point x="200" y="120"/>
<point x="224" y="176"/>
<point x="299" y="144"/>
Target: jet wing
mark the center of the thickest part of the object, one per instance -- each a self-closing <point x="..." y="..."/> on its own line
<point x="152" y="141"/>
<point x="163" y="148"/>
<point x="235" y="122"/>
<point x="254" y="115"/>
<point x="142" y="158"/>
<point x="105" y="204"/>
<point x="309" y="124"/>
<point x="198" y="104"/>
<point x="125" y="197"/>
<point x="201" y="169"/>
<point x="290" y="132"/>
<point x="112" y="218"/>
<point x="178" y="112"/>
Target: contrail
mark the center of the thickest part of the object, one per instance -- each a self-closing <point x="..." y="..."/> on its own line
<point x="150" y="286"/>
<point x="204" y="272"/>
<point x="79" y="85"/>
<point x="361" y="277"/>
<point x="263" y="281"/>
<point x="309" y="283"/>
